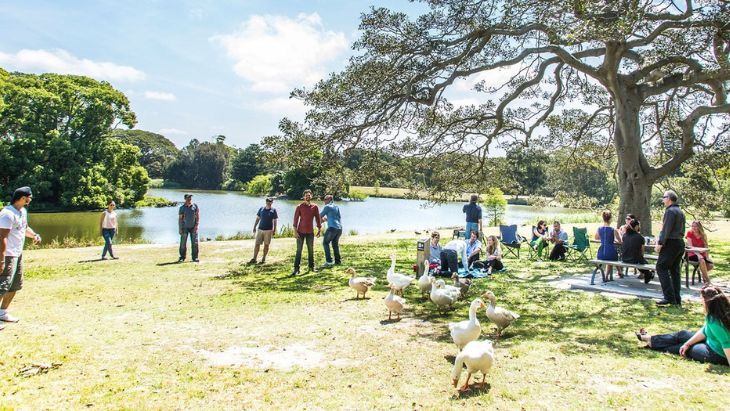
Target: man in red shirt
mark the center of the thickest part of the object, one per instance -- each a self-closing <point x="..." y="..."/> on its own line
<point x="304" y="230"/>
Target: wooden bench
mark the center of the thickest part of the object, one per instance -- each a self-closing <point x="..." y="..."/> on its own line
<point x="601" y="263"/>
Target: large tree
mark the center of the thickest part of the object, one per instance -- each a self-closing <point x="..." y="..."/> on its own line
<point x="54" y="136"/>
<point x="157" y="152"/>
<point x="649" y="77"/>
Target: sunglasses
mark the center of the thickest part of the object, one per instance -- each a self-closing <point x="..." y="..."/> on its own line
<point x="665" y="196"/>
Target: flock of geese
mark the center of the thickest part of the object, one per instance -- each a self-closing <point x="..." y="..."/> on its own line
<point x="478" y="356"/>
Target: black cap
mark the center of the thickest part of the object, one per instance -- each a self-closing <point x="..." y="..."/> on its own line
<point x="22" y="192"/>
<point x="269" y="199"/>
<point x="188" y="196"/>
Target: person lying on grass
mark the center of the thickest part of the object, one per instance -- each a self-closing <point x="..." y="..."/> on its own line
<point x="711" y="343"/>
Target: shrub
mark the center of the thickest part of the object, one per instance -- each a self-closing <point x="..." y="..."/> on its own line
<point x="158" y="202"/>
<point x="495" y="206"/>
<point x="357" y="195"/>
<point x="259" y="185"/>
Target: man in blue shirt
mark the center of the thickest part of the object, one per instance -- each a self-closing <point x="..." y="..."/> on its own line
<point x="473" y="248"/>
<point x="473" y="217"/>
<point x="265" y="229"/>
<point x="331" y="214"/>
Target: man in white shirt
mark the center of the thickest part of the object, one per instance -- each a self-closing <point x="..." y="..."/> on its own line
<point x="13" y="231"/>
<point x="450" y="253"/>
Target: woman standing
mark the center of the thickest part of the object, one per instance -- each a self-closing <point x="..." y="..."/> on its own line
<point x="608" y="236"/>
<point x="108" y="227"/>
<point x="696" y="237"/>
<point x="710" y="344"/>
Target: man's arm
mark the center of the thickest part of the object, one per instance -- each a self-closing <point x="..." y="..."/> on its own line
<point x="197" y="219"/>
<point x="318" y="220"/>
<point x="256" y="224"/>
<point x="32" y="234"/>
<point x="667" y="224"/>
<point x="273" y="233"/>
<point x="180" y="218"/>
<point x="295" y="224"/>
<point x="3" y="245"/>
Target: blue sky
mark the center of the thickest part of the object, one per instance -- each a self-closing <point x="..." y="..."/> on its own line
<point x="191" y="69"/>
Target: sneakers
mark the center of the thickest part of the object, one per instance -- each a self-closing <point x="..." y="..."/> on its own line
<point x="180" y="260"/>
<point x="328" y="265"/>
<point x="648" y="277"/>
<point x="313" y="269"/>
<point x="294" y="273"/>
<point x="252" y="261"/>
<point x="9" y="318"/>
<point x="195" y="260"/>
<point x="262" y="262"/>
<point x="662" y="303"/>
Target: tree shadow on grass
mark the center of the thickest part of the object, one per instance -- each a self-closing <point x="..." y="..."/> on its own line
<point x="718" y="369"/>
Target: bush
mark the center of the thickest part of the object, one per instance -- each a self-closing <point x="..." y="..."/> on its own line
<point x="158" y="202"/>
<point x="286" y="231"/>
<point x="357" y="195"/>
<point x="495" y="206"/>
<point x="259" y="185"/>
<point x="352" y="232"/>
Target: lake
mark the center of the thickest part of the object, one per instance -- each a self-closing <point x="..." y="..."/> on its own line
<point x="227" y="213"/>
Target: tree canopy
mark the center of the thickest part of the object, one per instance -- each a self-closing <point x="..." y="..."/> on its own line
<point x="157" y="152"/>
<point x="646" y="78"/>
<point x="54" y="137"/>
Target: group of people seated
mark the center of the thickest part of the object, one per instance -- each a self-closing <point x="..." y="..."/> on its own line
<point x="541" y="238"/>
<point x="445" y="259"/>
<point x="628" y="237"/>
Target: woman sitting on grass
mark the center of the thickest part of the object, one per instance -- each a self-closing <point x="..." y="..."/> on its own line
<point x="633" y="248"/>
<point x="696" y="237"/>
<point x="494" y="256"/>
<point x="711" y="343"/>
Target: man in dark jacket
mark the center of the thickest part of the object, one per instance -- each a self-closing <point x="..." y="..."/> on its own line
<point x="670" y="248"/>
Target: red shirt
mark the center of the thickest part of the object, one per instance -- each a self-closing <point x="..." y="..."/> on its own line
<point x="303" y="216"/>
<point x="695" y="241"/>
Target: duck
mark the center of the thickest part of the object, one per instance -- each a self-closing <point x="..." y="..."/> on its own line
<point x="425" y="280"/>
<point x="499" y="316"/>
<point x="462" y="284"/>
<point x="395" y="303"/>
<point x="441" y="296"/>
<point x="399" y="281"/>
<point x="469" y="330"/>
<point x="360" y="284"/>
<point x="478" y="357"/>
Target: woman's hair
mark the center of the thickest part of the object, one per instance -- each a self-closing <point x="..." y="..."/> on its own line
<point x="540" y="223"/>
<point x="718" y="304"/>
<point x="606" y="216"/>
<point x="110" y="202"/>
<point x="494" y="245"/>
<point x="701" y="231"/>
<point x="633" y="225"/>
<point x="631" y="216"/>
<point x="435" y="234"/>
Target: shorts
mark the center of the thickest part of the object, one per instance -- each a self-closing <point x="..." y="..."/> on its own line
<point x="264" y="236"/>
<point x="694" y="258"/>
<point x="11" y="278"/>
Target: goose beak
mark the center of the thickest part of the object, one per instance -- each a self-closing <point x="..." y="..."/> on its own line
<point x="482" y="305"/>
<point x="455" y="382"/>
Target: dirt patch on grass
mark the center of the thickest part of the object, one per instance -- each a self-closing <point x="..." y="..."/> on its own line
<point x="269" y="357"/>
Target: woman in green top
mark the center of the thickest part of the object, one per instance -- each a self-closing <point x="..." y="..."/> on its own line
<point x="711" y="343"/>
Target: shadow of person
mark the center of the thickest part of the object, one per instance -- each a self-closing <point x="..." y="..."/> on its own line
<point x="92" y="260"/>
<point x="169" y="263"/>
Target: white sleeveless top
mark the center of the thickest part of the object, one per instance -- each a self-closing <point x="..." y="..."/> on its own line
<point x="110" y="219"/>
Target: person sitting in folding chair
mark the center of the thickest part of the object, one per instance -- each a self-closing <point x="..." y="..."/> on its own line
<point x="510" y="239"/>
<point x="539" y="238"/>
<point x="558" y="237"/>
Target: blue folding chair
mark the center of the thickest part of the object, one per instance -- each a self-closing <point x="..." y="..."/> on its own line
<point x="510" y="240"/>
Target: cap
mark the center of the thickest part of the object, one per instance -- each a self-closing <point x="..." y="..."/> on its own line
<point x="269" y="199"/>
<point x="22" y="192"/>
<point x="188" y="196"/>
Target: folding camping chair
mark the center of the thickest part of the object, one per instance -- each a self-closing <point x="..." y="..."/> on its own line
<point x="580" y="249"/>
<point x="510" y="240"/>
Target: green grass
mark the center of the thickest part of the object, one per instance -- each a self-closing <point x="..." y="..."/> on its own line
<point x="137" y="333"/>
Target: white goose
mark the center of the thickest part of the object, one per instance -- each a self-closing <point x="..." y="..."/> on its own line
<point x="399" y="281"/>
<point x="478" y="356"/>
<point x="462" y="284"/>
<point x="469" y="330"/>
<point x="425" y="281"/>
<point x="499" y="316"/>
<point x="442" y="296"/>
<point x="395" y="303"/>
<point x="360" y="284"/>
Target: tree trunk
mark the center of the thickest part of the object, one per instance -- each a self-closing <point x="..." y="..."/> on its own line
<point x="632" y="173"/>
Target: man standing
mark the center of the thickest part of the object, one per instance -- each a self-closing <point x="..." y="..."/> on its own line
<point x="188" y="220"/>
<point x="473" y="217"/>
<point x="558" y="237"/>
<point x="304" y="230"/>
<point x="13" y="231"/>
<point x="266" y="219"/>
<point x="331" y="214"/>
<point x="670" y="247"/>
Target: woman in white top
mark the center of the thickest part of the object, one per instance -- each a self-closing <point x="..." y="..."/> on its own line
<point x="108" y="227"/>
<point x="494" y="256"/>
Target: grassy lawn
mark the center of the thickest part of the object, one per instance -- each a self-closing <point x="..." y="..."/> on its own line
<point x="141" y="332"/>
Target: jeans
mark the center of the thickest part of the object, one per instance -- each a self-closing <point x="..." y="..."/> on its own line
<point x="193" y="233"/>
<point x="667" y="267"/>
<point x="699" y="352"/>
<point x="332" y="235"/>
<point x="108" y="234"/>
<point x="309" y="237"/>
<point x="558" y="252"/>
<point x="471" y="227"/>
<point x="449" y="261"/>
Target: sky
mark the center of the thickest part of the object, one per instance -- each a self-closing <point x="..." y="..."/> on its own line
<point x="191" y="69"/>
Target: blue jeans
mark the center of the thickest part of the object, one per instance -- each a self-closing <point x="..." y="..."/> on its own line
<point x="471" y="227"/>
<point x="699" y="352"/>
<point x="193" y="242"/>
<point x="332" y="235"/>
<point x="108" y="234"/>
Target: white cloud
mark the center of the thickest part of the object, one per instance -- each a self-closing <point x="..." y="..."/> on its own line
<point x="281" y="106"/>
<point x="159" y="95"/>
<point x="62" y="62"/>
<point x="491" y="78"/>
<point x="277" y="53"/>
<point x="173" y="131"/>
